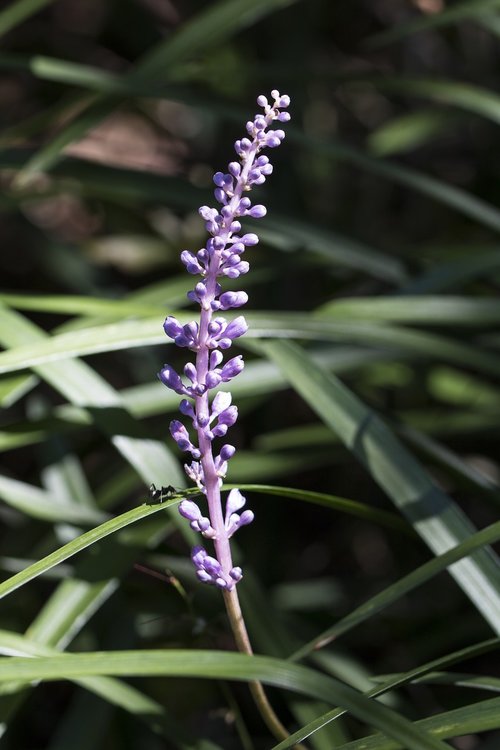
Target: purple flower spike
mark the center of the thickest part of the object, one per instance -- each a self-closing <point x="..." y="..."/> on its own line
<point x="213" y="335"/>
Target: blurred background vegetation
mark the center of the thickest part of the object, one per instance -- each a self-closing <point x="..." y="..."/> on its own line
<point x="379" y="255"/>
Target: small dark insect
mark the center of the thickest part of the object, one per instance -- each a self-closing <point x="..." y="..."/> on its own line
<point x="162" y="494"/>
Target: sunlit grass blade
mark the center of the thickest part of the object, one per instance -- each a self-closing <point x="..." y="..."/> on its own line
<point x="14" y="387"/>
<point x="127" y="334"/>
<point x="479" y="101"/>
<point x="477" y="717"/>
<point x="393" y="593"/>
<point x="114" y="691"/>
<point x="433" y="514"/>
<point x="38" y="503"/>
<point x="81" y="543"/>
<point x="221" y="665"/>
<point x="428" y="309"/>
<point x="409" y="131"/>
<point x="470" y="652"/>
<point x="462" y="11"/>
<point x="81" y="385"/>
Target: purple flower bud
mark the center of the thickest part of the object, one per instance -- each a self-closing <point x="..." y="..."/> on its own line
<point x="249" y="239"/>
<point x="171" y="379"/>
<point x="235" y="501"/>
<point x="227" y="452"/>
<point x="192" y="264"/>
<point x="233" y="299"/>
<point x="237" y="327"/>
<point x="189" y="510"/>
<point x="232" y="368"/>
<point x="236" y="574"/>
<point x="257" y="212"/>
<point x="181" y="437"/>
<point x="220" y="403"/>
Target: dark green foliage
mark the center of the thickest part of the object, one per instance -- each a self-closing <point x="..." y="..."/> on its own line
<point x="370" y="401"/>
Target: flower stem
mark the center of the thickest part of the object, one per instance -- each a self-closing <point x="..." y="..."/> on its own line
<point x="243" y="644"/>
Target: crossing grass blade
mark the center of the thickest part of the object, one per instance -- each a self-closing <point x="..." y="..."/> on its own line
<point x="431" y="310"/>
<point x="393" y="593"/>
<point x="38" y="503"/>
<point x="341" y="504"/>
<point x="462" y="95"/>
<point x="116" y="692"/>
<point x="477" y="717"/>
<point x="19" y="11"/>
<point x="433" y="514"/>
<point x="462" y="11"/>
<point x="80" y="543"/>
<point x="221" y="665"/>
<point x="128" y="334"/>
<point x="80" y="384"/>
<point x="216" y="23"/>
<point x="470" y="652"/>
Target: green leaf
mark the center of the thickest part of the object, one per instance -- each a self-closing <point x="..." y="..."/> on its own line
<point x="433" y="514"/>
<point x="18" y="11"/>
<point x="35" y="502"/>
<point x="454" y="93"/>
<point x="341" y="504"/>
<point x="217" y="22"/>
<point x="81" y="543"/>
<point x="116" y="692"/>
<point x="470" y="652"/>
<point x="462" y="11"/>
<point x="408" y="583"/>
<point x="478" y="717"/>
<point x="431" y="310"/>
<point x="219" y="665"/>
<point x="149" y="332"/>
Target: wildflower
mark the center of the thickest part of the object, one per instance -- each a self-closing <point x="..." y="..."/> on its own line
<point x="212" y="335"/>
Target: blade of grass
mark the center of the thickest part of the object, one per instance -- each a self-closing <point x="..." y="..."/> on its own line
<point x="470" y="9"/>
<point x="470" y="652"/>
<point x="212" y="25"/>
<point x="19" y="11"/>
<point x="114" y="691"/>
<point x="220" y="665"/>
<point x="148" y="332"/>
<point x="434" y="515"/>
<point x="395" y="591"/>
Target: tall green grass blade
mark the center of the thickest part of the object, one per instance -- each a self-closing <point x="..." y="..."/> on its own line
<point x="452" y="93"/>
<point x="114" y="691"/>
<point x="211" y="26"/>
<point x="478" y="717"/>
<point x="395" y="591"/>
<point x="128" y="334"/>
<point x="220" y="665"/>
<point x="19" y="11"/>
<point x="37" y="503"/>
<point x="431" y="310"/>
<point x="431" y="187"/>
<point x="340" y="504"/>
<point x="435" y="517"/>
<point x="81" y="543"/>
<point x="470" y="652"/>
<point x="462" y="11"/>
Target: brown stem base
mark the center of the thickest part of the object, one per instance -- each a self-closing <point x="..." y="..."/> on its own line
<point x="243" y="644"/>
